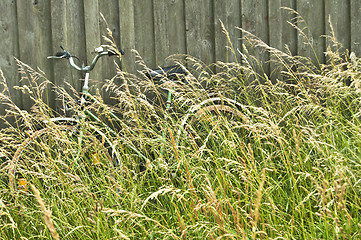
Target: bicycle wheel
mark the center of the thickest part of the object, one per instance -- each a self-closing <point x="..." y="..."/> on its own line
<point x="210" y="122"/>
<point x="60" y="150"/>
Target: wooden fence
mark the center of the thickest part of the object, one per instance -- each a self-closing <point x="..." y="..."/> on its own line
<point x="33" y="29"/>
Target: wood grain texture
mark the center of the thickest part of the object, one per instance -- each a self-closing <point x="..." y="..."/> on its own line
<point x="67" y="23"/>
<point x="32" y="30"/>
<point x="311" y="42"/>
<point x="256" y="21"/>
<point x="110" y="11"/>
<point x="355" y="37"/>
<point x="144" y="31"/>
<point x="93" y="39"/>
<point x="9" y="47"/>
<point x="339" y="14"/>
<point x="9" y="50"/>
<point x="199" y="20"/>
<point x="169" y="30"/>
<point x="282" y="33"/>
<point x="227" y="12"/>
<point x="127" y="34"/>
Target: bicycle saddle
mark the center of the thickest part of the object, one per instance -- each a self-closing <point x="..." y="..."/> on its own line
<point x="170" y="72"/>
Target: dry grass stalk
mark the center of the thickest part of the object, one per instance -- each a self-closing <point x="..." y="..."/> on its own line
<point x="258" y="203"/>
<point x="47" y="213"/>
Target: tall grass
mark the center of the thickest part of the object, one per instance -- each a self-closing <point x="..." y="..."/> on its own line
<point x="290" y="170"/>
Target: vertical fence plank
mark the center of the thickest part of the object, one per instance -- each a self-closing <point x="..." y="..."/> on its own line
<point x="200" y="29"/>
<point x="75" y="39"/>
<point x="109" y="9"/>
<point x="355" y="27"/>
<point x="229" y="13"/>
<point x="67" y="23"/>
<point x="169" y="30"/>
<point x="281" y="32"/>
<point x="9" y="50"/>
<point x="255" y="18"/>
<point x="312" y="12"/>
<point x="282" y="35"/>
<point x="92" y="36"/>
<point x="58" y="26"/>
<point x="339" y="12"/>
<point x="35" y="39"/>
<point x="9" y="47"/>
<point x="255" y="21"/>
<point x="127" y="35"/>
<point x="59" y="30"/>
<point x="144" y="31"/>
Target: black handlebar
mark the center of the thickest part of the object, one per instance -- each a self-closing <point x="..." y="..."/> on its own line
<point x="100" y="52"/>
<point x="65" y="54"/>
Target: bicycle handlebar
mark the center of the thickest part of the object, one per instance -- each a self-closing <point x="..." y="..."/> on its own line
<point x="100" y="52"/>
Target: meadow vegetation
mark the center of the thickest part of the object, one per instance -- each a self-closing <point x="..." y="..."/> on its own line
<point x="288" y="168"/>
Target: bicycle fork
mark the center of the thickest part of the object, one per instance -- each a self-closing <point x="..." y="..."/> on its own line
<point x="85" y="93"/>
<point x="166" y="116"/>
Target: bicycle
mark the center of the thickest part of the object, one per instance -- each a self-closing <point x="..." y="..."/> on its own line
<point x="94" y="138"/>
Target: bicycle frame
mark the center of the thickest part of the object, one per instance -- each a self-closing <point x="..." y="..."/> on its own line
<point x="87" y="96"/>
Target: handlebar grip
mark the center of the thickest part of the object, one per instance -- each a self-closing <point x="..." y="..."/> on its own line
<point x="65" y="54"/>
<point x="60" y="54"/>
